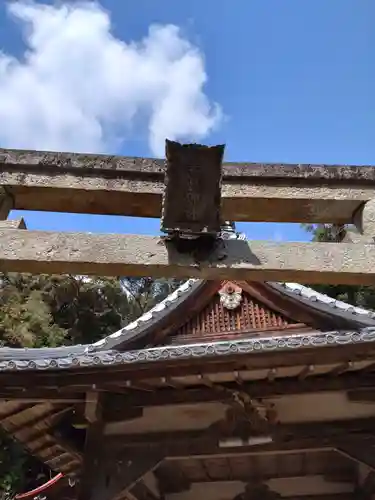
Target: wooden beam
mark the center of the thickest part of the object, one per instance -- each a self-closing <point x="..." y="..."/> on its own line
<point x="205" y="448"/>
<point x="69" y="381"/>
<point x="142" y="492"/>
<point x="54" y="414"/>
<point x="366" y="489"/>
<point x="359" y="386"/>
<point x="41" y="396"/>
<point x="342" y="368"/>
<point x="105" y="476"/>
<point x="362" y="395"/>
<point x="115" y="409"/>
<point x="243" y="406"/>
<point x="260" y="491"/>
<point x="200" y="451"/>
<point x="323" y="430"/>
<point x="120" y="473"/>
<point x="93" y="407"/>
<point x="66" y="182"/>
<point x="324" y="496"/>
<point x="342" y="474"/>
<point x="135" y="467"/>
<point x="117" y="255"/>
<point x="306" y="371"/>
<point x="319" y="496"/>
<point x="92" y="459"/>
<point x="361" y="452"/>
<point x="67" y="445"/>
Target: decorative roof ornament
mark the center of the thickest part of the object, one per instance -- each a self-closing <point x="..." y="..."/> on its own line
<point x="230" y="296"/>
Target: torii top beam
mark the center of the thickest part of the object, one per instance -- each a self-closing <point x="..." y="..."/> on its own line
<point x="115" y="185"/>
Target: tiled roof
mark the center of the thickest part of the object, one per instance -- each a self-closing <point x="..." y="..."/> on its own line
<point x="104" y="351"/>
<point x="300" y="292"/>
<point x="64" y="359"/>
<point x="363" y="317"/>
<point x="322" y="301"/>
<point x="152" y="316"/>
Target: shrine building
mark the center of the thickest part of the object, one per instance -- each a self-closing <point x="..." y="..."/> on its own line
<point x="224" y="390"/>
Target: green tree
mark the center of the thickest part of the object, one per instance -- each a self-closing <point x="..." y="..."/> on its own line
<point x="147" y="292"/>
<point x="56" y="310"/>
<point x="362" y="296"/>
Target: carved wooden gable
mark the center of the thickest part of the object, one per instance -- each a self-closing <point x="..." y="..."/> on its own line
<point x="232" y="311"/>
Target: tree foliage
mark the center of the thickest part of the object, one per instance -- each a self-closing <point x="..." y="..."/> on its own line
<point x="362" y="296"/>
<point x="50" y="311"/>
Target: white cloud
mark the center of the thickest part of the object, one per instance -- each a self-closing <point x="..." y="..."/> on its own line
<point x="79" y="88"/>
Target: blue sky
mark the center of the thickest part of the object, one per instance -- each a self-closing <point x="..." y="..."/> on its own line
<point x="295" y="80"/>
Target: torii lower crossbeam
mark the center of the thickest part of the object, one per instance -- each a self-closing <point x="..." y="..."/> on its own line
<point x="134" y="255"/>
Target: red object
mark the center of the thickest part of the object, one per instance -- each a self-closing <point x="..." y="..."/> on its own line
<point x="40" y="489"/>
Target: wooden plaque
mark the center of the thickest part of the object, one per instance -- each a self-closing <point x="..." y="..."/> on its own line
<point x="192" y="195"/>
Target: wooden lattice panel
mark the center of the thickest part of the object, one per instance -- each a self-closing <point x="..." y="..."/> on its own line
<point x="215" y="320"/>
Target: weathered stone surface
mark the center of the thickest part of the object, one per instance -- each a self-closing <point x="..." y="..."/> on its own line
<point x="364" y="219"/>
<point x="12" y="224"/>
<point x="6" y="203"/>
<point x="128" y="255"/>
<point x="241" y="201"/>
<point x="65" y="182"/>
<point x="27" y="160"/>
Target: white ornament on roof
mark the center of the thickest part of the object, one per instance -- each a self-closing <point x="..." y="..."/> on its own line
<point x="230" y="296"/>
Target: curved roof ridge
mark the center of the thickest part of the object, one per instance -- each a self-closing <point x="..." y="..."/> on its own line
<point x="182" y="292"/>
<point x="155" y="314"/>
<point x="173" y="300"/>
<point x="314" y="296"/>
<point x="360" y="337"/>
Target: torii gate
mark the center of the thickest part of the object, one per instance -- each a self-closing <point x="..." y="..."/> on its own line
<point x="192" y="192"/>
<point x="197" y="191"/>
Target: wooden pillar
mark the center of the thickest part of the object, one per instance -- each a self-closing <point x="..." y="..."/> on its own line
<point x="92" y="463"/>
<point x="106" y="472"/>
